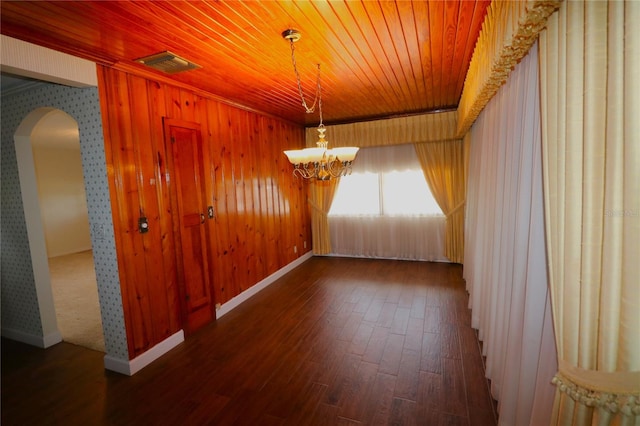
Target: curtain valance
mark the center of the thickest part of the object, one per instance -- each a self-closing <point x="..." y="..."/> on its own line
<point x="508" y="32"/>
<point x="384" y="159"/>
<point x="392" y="131"/>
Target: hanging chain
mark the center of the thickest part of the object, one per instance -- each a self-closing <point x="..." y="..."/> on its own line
<point x="317" y="99"/>
<point x="319" y="96"/>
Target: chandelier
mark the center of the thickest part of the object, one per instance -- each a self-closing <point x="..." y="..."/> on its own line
<point x="318" y="163"/>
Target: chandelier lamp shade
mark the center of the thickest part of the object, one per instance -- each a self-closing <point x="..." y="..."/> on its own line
<point x="319" y="163"/>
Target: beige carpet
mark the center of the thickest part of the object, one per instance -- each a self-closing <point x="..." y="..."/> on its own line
<point x="75" y="295"/>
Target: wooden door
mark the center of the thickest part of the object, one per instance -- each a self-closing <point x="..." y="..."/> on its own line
<point x="186" y="182"/>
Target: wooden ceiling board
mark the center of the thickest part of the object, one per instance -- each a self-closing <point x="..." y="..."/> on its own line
<point x="215" y="49"/>
<point x="452" y="14"/>
<point x="421" y="10"/>
<point x="436" y="26"/>
<point x="410" y="31"/>
<point x="365" y="71"/>
<point x="378" y="59"/>
<point x="391" y="37"/>
<point x="475" y="25"/>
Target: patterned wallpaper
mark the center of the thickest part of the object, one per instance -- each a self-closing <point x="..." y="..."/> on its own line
<point x="19" y="304"/>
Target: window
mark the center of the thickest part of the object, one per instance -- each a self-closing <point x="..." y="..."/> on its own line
<point x="394" y="193"/>
<point x="357" y="194"/>
<point x="385" y="209"/>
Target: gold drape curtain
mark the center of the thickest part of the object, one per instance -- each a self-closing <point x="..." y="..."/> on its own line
<point x="590" y="102"/>
<point x="321" y="193"/>
<point x="443" y="165"/>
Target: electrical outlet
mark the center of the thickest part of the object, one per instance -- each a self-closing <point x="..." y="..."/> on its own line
<point x="305" y="244"/>
<point x="295" y="249"/>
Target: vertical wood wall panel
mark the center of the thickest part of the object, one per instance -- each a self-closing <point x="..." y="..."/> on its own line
<point x="260" y="209"/>
<point x="123" y="186"/>
<point x="145" y="149"/>
<point x="157" y="108"/>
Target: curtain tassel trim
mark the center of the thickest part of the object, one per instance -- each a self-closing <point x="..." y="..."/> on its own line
<point x="612" y="402"/>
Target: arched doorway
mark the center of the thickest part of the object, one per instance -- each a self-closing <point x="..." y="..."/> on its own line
<point x="50" y="168"/>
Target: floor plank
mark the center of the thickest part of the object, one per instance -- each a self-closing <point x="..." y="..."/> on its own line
<point x="335" y="341"/>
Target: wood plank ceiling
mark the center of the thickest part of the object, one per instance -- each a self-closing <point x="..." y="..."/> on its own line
<point x="378" y="58"/>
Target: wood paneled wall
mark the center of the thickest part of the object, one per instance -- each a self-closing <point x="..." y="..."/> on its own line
<point x="261" y="210"/>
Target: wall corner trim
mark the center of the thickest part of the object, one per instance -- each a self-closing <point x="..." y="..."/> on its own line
<point x="32" y="339"/>
<point x="131" y="367"/>
<point x="252" y="291"/>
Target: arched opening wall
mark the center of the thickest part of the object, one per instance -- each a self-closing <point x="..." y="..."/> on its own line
<point x="26" y="316"/>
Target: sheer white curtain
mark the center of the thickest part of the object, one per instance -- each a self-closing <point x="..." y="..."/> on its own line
<point x="410" y="237"/>
<point x="505" y="263"/>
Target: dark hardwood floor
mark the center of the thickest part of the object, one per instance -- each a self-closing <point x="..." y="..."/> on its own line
<point x="336" y="341"/>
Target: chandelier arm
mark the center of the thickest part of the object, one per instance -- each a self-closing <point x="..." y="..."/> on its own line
<point x="336" y="169"/>
<point x="323" y="170"/>
<point x="297" y="170"/>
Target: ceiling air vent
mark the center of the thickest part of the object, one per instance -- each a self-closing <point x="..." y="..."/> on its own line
<point x="167" y="62"/>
